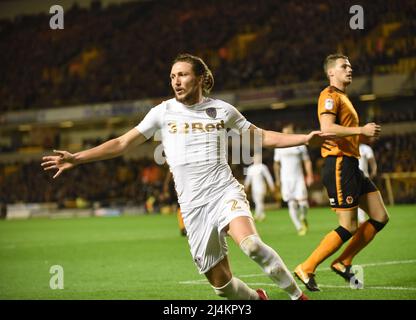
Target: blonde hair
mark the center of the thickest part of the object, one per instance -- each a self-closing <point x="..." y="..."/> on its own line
<point x="200" y="69"/>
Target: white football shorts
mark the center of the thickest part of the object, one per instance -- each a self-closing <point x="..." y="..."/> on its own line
<point x="294" y="189"/>
<point x="205" y="226"/>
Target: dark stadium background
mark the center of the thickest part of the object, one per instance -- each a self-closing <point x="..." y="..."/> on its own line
<point x="74" y="88"/>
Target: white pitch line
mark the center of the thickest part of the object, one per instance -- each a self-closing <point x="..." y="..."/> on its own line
<point x="338" y="286"/>
<point x="201" y="281"/>
<point x="376" y="264"/>
<point x="364" y="265"/>
<point x="205" y="282"/>
<point x="371" y="287"/>
<point x="263" y="284"/>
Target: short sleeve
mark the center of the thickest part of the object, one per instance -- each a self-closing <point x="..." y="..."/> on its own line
<point x="328" y="104"/>
<point x="234" y="119"/>
<point x="151" y="122"/>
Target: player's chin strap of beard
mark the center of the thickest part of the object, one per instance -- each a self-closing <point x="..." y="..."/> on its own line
<point x="271" y="263"/>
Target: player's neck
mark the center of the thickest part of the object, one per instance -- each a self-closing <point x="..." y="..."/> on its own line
<point x="197" y="99"/>
<point x="339" y="85"/>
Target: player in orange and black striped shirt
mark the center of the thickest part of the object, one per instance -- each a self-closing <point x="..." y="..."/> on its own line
<point x="346" y="184"/>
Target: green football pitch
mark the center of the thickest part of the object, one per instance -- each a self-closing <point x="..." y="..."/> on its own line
<point x="145" y="258"/>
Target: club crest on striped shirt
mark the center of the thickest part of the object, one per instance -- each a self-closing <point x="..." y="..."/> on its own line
<point x="211" y="112"/>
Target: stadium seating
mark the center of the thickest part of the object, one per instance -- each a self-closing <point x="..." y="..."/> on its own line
<point x="121" y="57"/>
<point x="126" y="52"/>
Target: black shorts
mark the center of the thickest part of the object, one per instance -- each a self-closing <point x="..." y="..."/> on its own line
<point x="345" y="182"/>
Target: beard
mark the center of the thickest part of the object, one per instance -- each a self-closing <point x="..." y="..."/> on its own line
<point x="188" y="98"/>
<point x="182" y="97"/>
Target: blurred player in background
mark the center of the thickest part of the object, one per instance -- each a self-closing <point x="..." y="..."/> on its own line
<point x="257" y="176"/>
<point x="169" y="194"/>
<point x="289" y="174"/>
<point x="212" y="201"/>
<point x="346" y="184"/>
<point x="366" y="161"/>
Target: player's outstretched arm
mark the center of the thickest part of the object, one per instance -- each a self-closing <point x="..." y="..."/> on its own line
<point x="273" y="139"/>
<point x="63" y="160"/>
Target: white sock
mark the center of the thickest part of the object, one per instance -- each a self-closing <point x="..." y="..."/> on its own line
<point x="236" y="289"/>
<point x="293" y="212"/>
<point x="303" y="209"/>
<point x="271" y="263"/>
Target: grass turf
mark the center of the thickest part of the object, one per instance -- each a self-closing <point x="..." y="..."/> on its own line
<point x="144" y="257"/>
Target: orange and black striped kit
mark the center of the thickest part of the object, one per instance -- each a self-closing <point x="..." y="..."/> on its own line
<point x="345" y="182"/>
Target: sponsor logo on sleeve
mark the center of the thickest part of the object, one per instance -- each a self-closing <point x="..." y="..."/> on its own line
<point x="329" y="104"/>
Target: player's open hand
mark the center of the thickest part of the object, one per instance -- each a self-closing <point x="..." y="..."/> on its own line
<point x="62" y="161"/>
<point x="317" y="138"/>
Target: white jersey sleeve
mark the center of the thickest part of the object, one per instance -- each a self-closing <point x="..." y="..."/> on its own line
<point x="234" y="119"/>
<point x="152" y="121"/>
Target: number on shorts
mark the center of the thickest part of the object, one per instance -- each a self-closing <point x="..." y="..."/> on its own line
<point x="234" y="205"/>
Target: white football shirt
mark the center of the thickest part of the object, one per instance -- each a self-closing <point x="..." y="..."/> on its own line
<point x="257" y="174"/>
<point x="291" y="161"/>
<point x="366" y="153"/>
<point x="194" y="141"/>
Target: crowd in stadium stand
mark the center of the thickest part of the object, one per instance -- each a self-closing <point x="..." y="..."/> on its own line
<point x="123" y="52"/>
<point x="115" y="182"/>
<point x="122" y="182"/>
<point x="394" y="116"/>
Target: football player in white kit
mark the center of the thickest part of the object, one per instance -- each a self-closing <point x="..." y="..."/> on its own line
<point x="257" y="175"/>
<point x="288" y="170"/>
<point x="366" y="160"/>
<point x="212" y="201"/>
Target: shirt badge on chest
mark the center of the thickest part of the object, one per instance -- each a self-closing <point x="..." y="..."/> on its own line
<point x="211" y="112"/>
